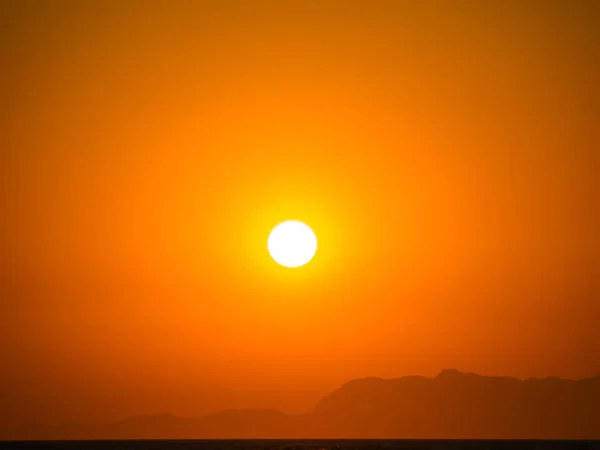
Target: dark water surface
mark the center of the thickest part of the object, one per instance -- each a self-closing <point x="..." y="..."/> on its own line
<point x="302" y="444"/>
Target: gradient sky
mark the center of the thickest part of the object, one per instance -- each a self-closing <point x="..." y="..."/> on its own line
<point x="445" y="153"/>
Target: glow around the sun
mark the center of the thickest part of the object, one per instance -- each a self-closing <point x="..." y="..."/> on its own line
<point x="292" y="243"/>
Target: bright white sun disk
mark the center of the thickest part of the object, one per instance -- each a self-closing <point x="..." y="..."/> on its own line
<point x="292" y="243"/>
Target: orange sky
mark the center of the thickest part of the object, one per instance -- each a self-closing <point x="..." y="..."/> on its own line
<point x="445" y="154"/>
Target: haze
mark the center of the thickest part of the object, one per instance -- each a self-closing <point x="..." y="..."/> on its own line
<point x="444" y="153"/>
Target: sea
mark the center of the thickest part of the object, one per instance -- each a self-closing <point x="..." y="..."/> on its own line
<point x="292" y="444"/>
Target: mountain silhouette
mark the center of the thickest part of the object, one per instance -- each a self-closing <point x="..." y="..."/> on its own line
<point x="461" y="405"/>
<point x="453" y="405"/>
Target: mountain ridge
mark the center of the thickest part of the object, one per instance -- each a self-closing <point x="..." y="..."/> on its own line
<point x="451" y="405"/>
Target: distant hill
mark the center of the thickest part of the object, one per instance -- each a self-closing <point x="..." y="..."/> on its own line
<point x="224" y="424"/>
<point x="451" y="405"/>
<point x="461" y="405"/>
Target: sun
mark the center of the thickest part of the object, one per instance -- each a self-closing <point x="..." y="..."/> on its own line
<point x="292" y="243"/>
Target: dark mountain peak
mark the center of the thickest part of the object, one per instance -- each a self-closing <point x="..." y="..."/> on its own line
<point x="451" y="373"/>
<point x="362" y="381"/>
<point x="473" y="378"/>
